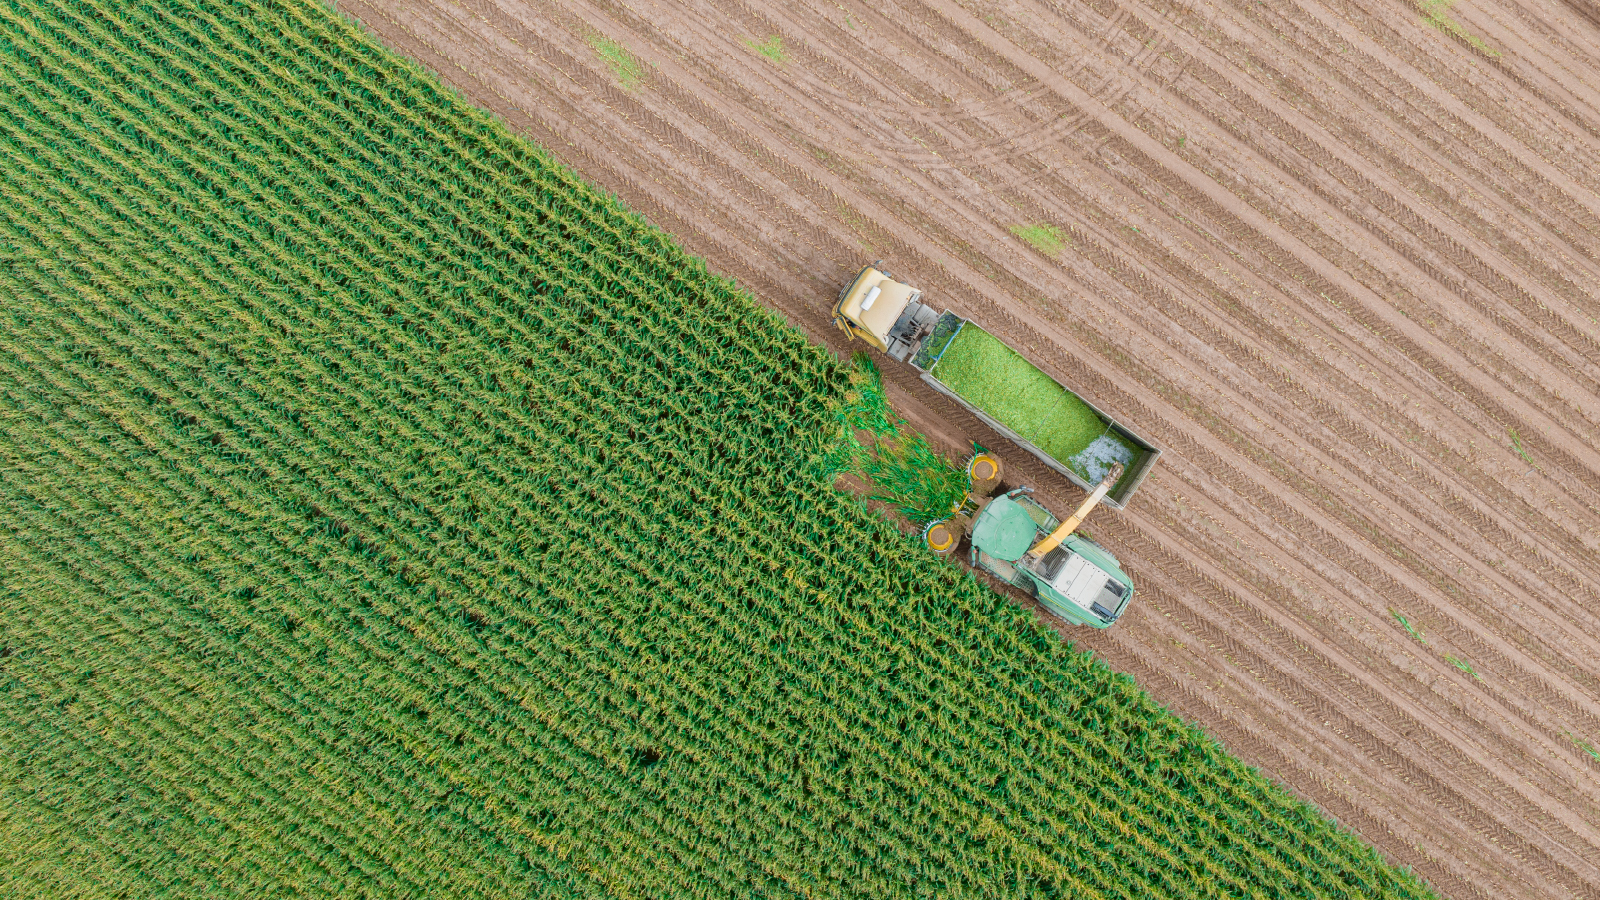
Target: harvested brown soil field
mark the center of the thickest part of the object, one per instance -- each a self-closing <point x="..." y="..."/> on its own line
<point x="1339" y="262"/>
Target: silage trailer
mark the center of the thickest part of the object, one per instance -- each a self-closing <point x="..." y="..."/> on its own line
<point x="989" y="379"/>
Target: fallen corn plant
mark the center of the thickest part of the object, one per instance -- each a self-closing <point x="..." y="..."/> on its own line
<point x="903" y="472"/>
<point x="1463" y="665"/>
<point x="1406" y="624"/>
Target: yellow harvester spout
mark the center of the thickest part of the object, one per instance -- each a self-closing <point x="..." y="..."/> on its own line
<point x="1071" y="523"/>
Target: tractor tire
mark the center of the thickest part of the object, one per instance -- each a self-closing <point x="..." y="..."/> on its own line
<point x="983" y="473"/>
<point x="941" y="537"/>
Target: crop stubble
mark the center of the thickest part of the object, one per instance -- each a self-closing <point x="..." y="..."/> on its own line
<point x="1326" y="255"/>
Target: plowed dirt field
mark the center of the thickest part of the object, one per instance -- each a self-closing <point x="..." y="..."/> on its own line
<point x="1338" y="261"/>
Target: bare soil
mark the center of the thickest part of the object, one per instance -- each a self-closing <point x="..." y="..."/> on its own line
<point x="1340" y="263"/>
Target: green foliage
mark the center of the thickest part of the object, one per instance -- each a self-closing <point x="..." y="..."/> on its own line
<point x="913" y="479"/>
<point x="1406" y="624"/>
<point x="1582" y="744"/>
<point x="624" y="67"/>
<point x="1463" y="665"/>
<point x="1437" y="14"/>
<point x="386" y="512"/>
<point x="1516" y="444"/>
<point x="1047" y="239"/>
<point x="866" y="408"/>
<point x="771" y="48"/>
<point x="905" y="473"/>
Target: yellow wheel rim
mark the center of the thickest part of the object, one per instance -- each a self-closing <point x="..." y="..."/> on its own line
<point x="983" y="468"/>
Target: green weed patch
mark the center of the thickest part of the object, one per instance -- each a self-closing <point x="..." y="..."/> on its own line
<point x="771" y="48"/>
<point x="624" y="67"/>
<point x="1437" y="14"/>
<point x="1047" y="239"/>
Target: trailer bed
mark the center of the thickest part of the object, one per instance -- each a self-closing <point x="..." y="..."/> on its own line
<point x="1017" y="399"/>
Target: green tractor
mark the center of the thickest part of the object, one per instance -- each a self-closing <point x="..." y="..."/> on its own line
<point x="1018" y="541"/>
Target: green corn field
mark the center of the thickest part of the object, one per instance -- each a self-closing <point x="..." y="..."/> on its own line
<point x="384" y="512"/>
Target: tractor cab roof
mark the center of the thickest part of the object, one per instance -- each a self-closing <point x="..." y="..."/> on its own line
<point x="875" y="302"/>
<point x="1004" y="530"/>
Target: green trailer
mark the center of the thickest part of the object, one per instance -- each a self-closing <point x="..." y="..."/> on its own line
<point x="997" y="384"/>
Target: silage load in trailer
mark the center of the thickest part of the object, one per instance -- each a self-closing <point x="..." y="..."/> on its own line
<point x="997" y="380"/>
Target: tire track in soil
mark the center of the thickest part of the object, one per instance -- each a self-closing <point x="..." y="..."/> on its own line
<point x="1342" y="290"/>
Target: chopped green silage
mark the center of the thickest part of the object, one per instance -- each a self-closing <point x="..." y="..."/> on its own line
<point x="943" y="331"/>
<point x="997" y="380"/>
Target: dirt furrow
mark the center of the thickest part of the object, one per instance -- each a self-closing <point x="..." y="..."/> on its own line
<point x="1301" y="589"/>
<point x="1374" y="730"/>
<point x="1416" y="85"/>
<point x="1302" y="150"/>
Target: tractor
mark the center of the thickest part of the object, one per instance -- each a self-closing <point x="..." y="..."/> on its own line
<point x="1017" y="540"/>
